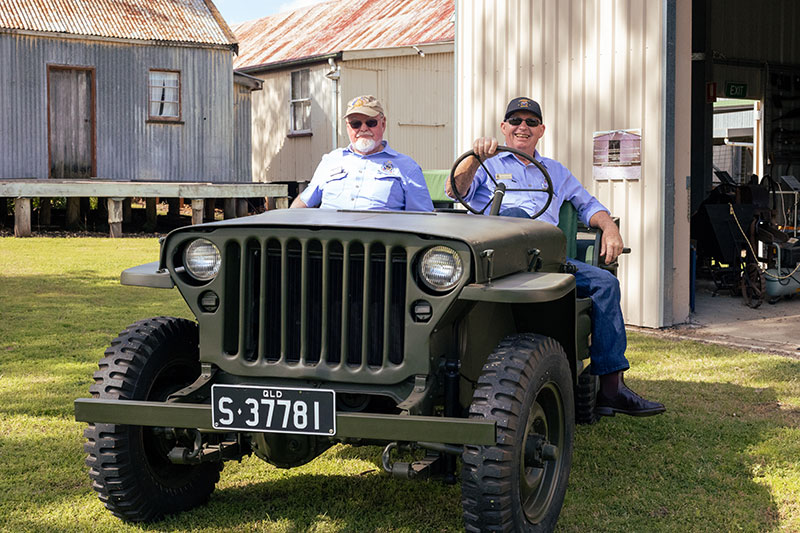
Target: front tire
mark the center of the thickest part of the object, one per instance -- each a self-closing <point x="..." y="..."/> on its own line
<point x="519" y="484"/>
<point x="128" y="465"/>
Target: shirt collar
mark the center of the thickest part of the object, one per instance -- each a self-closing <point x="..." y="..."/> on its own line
<point x="385" y="149"/>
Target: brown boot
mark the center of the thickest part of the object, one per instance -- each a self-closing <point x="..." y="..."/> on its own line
<point x="615" y="397"/>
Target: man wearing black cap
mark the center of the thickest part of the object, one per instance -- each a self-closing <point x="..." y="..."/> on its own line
<point x="522" y="128"/>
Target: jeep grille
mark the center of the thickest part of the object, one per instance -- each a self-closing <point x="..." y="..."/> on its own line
<point x="289" y="300"/>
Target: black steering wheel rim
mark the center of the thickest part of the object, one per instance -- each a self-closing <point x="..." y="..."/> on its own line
<point x="549" y="190"/>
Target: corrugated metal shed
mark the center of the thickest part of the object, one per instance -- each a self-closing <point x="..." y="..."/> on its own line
<point x="186" y="21"/>
<point x="340" y="25"/>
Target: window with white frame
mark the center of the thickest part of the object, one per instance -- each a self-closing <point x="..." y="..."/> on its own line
<point x="300" y="103"/>
<point x="164" y="94"/>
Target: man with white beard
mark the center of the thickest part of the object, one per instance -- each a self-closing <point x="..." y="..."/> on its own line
<point x="367" y="174"/>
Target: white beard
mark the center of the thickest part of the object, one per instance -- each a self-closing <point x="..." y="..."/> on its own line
<point x="364" y="145"/>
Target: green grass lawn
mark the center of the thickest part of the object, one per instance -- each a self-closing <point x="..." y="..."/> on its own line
<point x="725" y="456"/>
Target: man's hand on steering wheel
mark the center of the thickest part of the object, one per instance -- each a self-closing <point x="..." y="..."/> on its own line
<point x="485" y="147"/>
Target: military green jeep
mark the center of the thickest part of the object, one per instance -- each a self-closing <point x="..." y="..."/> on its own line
<point x="452" y="334"/>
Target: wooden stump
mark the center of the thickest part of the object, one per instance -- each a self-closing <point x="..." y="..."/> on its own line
<point x="151" y="215"/>
<point x="210" y="210"/>
<point x="241" y="207"/>
<point x="73" y="213"/>
<point x="197" y="210"/>
<point x="230" y="208"/>
<point x="115" y="217"/>
<point x="22" y="217"/>
<point x="174" y="209"/>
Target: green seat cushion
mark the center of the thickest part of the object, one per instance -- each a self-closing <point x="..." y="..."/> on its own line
<point x="436" y="180"/>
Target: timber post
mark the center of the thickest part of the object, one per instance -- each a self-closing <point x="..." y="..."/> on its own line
<point x="22" y="217"/>
<point x="115" y="217"/>
<point x="198" y="208"/>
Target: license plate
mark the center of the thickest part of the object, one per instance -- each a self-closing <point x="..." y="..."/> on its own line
<point x="273" y="409"/>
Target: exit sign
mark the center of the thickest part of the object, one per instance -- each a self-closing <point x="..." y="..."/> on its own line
<point x="735" y="90"/>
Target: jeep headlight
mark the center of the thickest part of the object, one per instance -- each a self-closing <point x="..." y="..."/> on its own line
<point x="440" y="268"/>
<point x="202" y="259"/>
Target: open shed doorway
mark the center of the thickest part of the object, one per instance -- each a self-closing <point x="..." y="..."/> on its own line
<point x="737" y="140"/>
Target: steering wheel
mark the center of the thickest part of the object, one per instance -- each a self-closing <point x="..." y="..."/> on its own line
<point x="500" y="189"/>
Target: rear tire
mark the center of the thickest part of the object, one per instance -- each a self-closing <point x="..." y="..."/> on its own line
<point x="519" y="483"/>
<point x="586" y="398"/>
<point x="128" y="465"/>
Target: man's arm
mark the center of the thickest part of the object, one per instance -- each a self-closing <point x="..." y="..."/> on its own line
<point x="484" y="147"/>
<point x="297" y="203"/>
<point x="611" y="242"/>
<point x="417" y="197"/>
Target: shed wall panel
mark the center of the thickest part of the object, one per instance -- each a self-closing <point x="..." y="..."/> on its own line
<point x="128" y="147"/>
<point x="416" y="93"/>
<point x="593" y="65"/>
<point x="276" y="155"/>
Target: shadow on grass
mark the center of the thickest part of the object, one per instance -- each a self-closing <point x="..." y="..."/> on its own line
<point x="688" y="470"/>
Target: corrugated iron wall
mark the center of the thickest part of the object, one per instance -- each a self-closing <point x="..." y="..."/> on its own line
<point x="276" y="156"/>
<point x="415" y="91"/>
<point x="199" y="149"/>
<point x="242" y="132"/>
<point x="594" y="65"/>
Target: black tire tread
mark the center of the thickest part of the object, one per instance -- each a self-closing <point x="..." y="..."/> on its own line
<point x="127" y="491"/>
<point x="586" y="399"/>
<point x="488" y="504"/>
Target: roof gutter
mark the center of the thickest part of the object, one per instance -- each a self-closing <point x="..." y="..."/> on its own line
<point x="290" y="63"/>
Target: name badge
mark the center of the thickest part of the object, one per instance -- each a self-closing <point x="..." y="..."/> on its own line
<point x="499" y="177"/>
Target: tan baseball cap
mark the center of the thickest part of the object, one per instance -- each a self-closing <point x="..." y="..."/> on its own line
<point x="365" y="105"/>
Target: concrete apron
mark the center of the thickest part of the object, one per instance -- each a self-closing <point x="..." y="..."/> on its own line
<point x="725" y="319"/>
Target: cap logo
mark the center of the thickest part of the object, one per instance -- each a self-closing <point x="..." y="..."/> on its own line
<point x="524" y="103"/>
<point x="358" y="102"/>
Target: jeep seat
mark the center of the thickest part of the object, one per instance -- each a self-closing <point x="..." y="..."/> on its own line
<point x="435" y="179"/>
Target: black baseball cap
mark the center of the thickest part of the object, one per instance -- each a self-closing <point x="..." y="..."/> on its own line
<point x="523" y="104"/>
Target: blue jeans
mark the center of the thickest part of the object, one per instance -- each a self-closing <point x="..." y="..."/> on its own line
<point x="609" y="340"/>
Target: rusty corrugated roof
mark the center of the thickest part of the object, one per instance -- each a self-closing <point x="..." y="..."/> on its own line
<point x="189" y="21"/>
<point x="341" y="25"/>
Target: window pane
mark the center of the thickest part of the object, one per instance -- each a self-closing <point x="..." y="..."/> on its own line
<point x="170" y="94"/>
<point x="304" y="84"/>
<point x="170" y="110"/>
<point x="306" y="116"/>
<point x="164" y="94"/>
<point x="295" y="85"/>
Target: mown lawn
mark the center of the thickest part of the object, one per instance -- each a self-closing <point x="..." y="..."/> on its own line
<point x="725" y="456"/>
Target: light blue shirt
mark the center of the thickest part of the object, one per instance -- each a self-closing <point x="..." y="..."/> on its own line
<point x="518" y="175"/>
<point x="386" y="180"/>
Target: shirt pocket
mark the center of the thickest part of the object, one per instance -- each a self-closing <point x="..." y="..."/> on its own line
<point x="385" y="191"/>
<point x="335" y="187"/>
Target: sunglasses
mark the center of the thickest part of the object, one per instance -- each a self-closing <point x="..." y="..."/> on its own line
<point x="531" y="122"/>
<point x="356" y="124"/>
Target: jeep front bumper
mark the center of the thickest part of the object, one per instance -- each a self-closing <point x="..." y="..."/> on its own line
<point x="348" y="425"/>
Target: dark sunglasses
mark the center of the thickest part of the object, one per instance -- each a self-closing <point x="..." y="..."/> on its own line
<point x="356" y="124"/>
<point x="531" y="122"/>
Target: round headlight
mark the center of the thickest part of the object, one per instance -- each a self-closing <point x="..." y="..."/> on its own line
<point x="202" y="259"/>
<point x="440" y="268"/>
